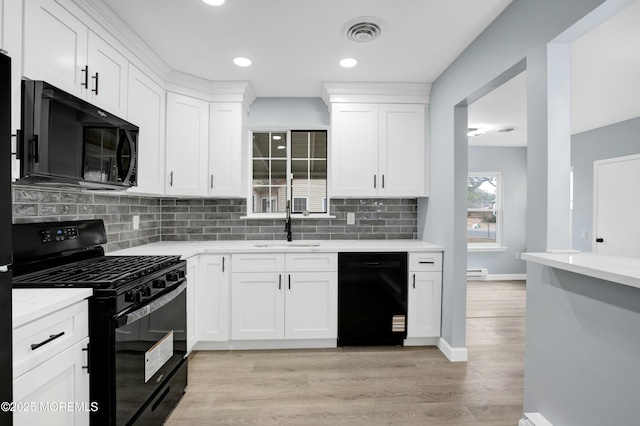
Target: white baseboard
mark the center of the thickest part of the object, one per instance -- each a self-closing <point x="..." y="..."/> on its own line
<point x="266" y="344"/>
<point x="500" y="277"/>
<point x="533" y="419"/>
<point x="421" y="341"/>
<point x="452" y="354"/>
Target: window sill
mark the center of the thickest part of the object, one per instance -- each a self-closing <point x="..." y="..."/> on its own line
<point x="486" y="249"/>
<point x="283" y="216"/>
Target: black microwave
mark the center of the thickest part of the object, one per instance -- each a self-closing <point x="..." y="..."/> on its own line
<point x="66" y="141"/>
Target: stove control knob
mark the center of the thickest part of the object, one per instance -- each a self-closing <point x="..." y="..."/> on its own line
<point x="181" y="273"/>
<point x="172" y="276"/>
<point x="146" y="291"/>
<point x="159" y="283"/>
<point x="133" y="296"/>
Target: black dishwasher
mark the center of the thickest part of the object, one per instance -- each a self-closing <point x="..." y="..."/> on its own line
<point x="372" y="299"/>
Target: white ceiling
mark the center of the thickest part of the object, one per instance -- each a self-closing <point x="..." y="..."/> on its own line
<point x="605" y="85"/>
<point x="295" y="45"/>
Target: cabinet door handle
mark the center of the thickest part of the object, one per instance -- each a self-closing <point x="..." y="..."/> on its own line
<point x="85" y="70"/>
<point x="222" y="263"/>
<point x="414" y="280"/>
<point x="95" y="77"/>
<point x="289" y="281"/>
<point x="171" y="179"/>
<point x="382" y="181"/>
<point x="211" y="181"/>
<point x="88" y="366"/>
<point x="51" y="338"/>
<point x="374" y="181"/>
<point x="599" y="240"/>
<point x="279" y="281"/>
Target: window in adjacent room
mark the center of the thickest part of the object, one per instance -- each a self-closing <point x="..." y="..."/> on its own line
<point x="484" y="210"/>
<point x="289" y="166"/>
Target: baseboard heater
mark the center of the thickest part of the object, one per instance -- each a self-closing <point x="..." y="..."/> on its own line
<point x="477" y="273"/>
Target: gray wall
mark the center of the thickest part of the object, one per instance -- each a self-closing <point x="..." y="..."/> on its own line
<point x="307" y="113"/>
<point x="512" y="162"/>
<point x="210" y="219"/>
<point x="522" y="31"/>
<point x="611" y="141"/>
<point x="582" y="346"/>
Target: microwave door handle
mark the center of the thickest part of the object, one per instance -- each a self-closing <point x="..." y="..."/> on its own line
<point x="132" y="163"/>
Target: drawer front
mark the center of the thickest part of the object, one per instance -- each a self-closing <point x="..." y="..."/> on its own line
<point x="425" y="261"/>
<point x="41" y="339"/>
<point x="311" y="262"/>
<point x="257" y="262"/>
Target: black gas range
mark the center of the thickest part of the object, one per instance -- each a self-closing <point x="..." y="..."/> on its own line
<point x="137" y="316"/>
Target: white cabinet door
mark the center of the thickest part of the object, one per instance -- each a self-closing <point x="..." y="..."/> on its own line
<point x="63" y="378"/>
<point x="193" y="282"/>
<point x="311" y="305"/>
<point x="146" y="109"/>
<point x="225" y="149"/>
<point x="257" y="306"/>
<point x="212" y="299"/>
<point x="425" y="290"/>
<point x="55" y="46"/>
<point x="108" y="75"/>
<point x="615" y="206"/>
<point x="402" y="150"/>
<point x="354" y="150"/>
<point x="187" y="145"/>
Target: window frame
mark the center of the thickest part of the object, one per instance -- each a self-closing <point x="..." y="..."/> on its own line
<point x="277" y="215"/>
<point x="498" y="210"/>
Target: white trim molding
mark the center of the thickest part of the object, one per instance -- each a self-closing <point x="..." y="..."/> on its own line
<point x="500" y="277"/>
<point x="452" y="354"/>
<point x="404" y="93"/>
<point x="533" y="419"/>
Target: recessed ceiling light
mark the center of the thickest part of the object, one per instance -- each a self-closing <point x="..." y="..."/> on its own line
<point x="214" y="2"/>
<point x="348" y="63"/>
<point x="242" y="62"/>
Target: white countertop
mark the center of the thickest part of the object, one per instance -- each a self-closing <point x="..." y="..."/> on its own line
<point x="622" y="270"/>
<point x="29" y="304"/>
<point x="188" y="249"/>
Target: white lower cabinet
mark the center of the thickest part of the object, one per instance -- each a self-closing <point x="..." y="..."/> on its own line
<point x="56" y="392"/>
<point x="212" y="299"/>
<point x="425" y="295"/>
<point x="291" y="296"/>
<point x="50" y="368"/>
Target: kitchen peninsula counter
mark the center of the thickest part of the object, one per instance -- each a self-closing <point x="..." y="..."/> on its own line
<point x="622" y="270"/>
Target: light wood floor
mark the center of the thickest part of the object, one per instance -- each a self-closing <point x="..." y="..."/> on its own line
<point x="371" y="386"/>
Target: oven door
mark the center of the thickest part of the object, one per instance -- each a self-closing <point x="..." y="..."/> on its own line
<point x="150" y="348"/>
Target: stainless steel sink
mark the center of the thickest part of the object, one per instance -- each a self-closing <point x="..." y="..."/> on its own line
<point x="288" y="244"/>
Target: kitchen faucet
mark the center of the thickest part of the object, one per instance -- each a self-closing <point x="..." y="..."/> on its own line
<point x="287" y="222"/>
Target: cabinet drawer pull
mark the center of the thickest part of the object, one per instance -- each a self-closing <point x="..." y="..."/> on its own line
<point x="51" y="338"/>
<point x="88" y="366"/>
<point x="428" y="262"/>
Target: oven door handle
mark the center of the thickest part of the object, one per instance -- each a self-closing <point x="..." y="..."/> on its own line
<point x="149" y="308"/>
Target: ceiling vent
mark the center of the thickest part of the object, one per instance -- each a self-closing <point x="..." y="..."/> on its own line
<point x="362" y="30"/>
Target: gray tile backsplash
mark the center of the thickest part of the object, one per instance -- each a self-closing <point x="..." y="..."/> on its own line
<point x="206" y="219"/>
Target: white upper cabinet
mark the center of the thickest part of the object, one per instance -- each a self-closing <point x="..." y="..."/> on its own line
<point x="378" y="150"/>
<point x="402" y="143"/>
<point x="225" y="149"/>
<point x="60" y="49"/>
<point x="147" y="101"/>
<point x="354" y="150"/>
<point x="187" y="145"/>
<point x="378" y="139"/>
